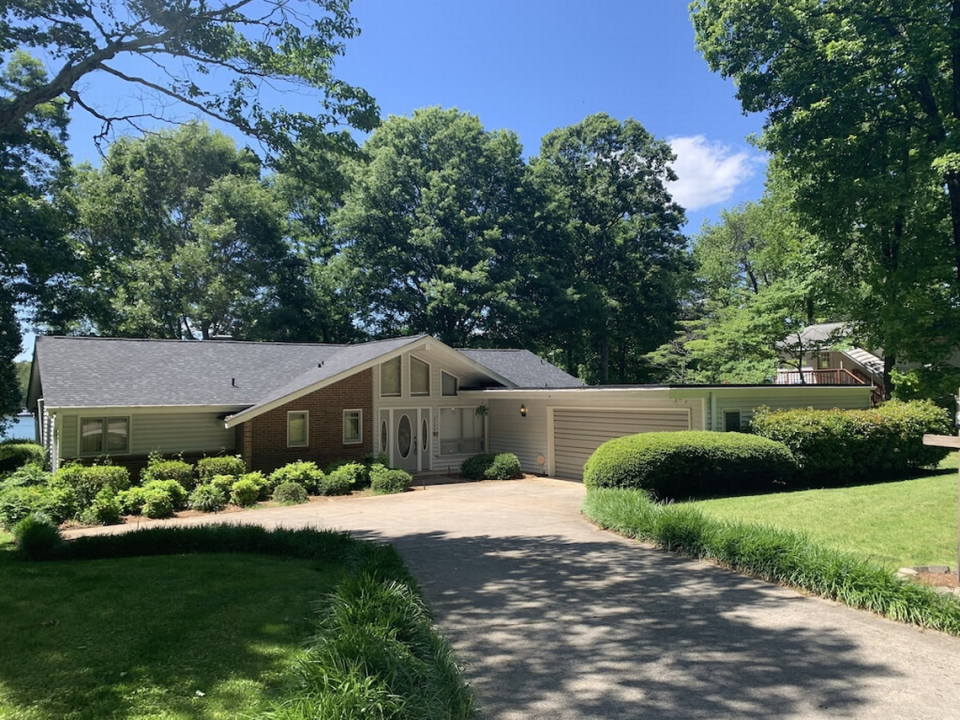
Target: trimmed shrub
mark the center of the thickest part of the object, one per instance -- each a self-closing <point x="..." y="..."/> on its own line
<point x="384" y="481"/>
<point x="104" y="510"/>
<point x="88" y="481"/>
<point x="131" y="500"/>
<point x="16" y="454"/>
<point x="30" y="474"/>
<point x="307" y="474"/>
<point x="56" y="502"/>
<point x="847" y="447"/>
<point x="290" y="493"/>
<point x="262" y="483"/>
<point x="207" y="498"/>
<point x="505" y="466"/>
<point x="209" y="467"/>
<point x="692" y="463"/>
<point x="244" y="493"/>
<point x="179" y="471"/>
<point x="357" y="473"/>
<point x="157" y="503"/>
<point x="491" y="466"/>
<point x="37" y="537"/>
<point x="224" y="483"/>
<point x="176" y="491"/>
<point x="336" y="483"/>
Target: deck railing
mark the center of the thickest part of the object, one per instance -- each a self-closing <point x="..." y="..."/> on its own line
<point x="830" y="376"/>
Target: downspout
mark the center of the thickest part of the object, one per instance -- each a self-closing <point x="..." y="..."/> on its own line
<point x="713" y="411"/>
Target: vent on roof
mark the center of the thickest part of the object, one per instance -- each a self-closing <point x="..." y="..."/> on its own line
<point x="221" y="337"/>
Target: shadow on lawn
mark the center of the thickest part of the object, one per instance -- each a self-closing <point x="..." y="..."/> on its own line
<point x="140" y="636"/>
<point x="552" y="628"/>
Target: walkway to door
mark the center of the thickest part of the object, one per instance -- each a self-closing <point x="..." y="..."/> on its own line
<point x="556" y="619"/>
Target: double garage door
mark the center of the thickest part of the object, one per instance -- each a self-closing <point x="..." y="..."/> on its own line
<point x="578" y="432"/>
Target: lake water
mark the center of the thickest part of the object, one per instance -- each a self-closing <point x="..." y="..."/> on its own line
<point x="23" y="428"/>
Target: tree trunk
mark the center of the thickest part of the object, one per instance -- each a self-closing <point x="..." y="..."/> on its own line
<point x="889" y="363"/>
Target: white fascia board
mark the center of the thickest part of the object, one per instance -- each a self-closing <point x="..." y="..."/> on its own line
<point x="424" y="343"/>
<point x="549" y="393"/>
<point x="144" y="409"/>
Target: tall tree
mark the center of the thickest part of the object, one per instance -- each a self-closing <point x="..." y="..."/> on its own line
<point x="862" y="99"/>
<point x="611" y="260"/>
<point x="433" y="221"/>
<point x="33" y="164"/>
<point x="180" y="239"/>
<point x="213" y="57"/>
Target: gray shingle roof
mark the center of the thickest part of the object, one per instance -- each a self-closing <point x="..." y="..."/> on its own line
<point x="523" y="368"/>
<point x="343" y="360"/>
<point x="111" y="372"/>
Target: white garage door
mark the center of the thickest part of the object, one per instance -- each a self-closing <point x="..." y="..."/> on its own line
<point x="577" y="433"/>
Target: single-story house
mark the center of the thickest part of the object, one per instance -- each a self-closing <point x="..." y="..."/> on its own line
<point x="427" y="406"/>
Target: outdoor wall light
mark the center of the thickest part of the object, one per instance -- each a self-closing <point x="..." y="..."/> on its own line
<point x="523" y="411"/>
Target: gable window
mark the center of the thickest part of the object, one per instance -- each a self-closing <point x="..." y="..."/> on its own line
<point x="390" y="378"/>
<point x="419" y="377"/>
<point x="449" y="383"/>
<point x="99" y="436"/>
<point x="352" y="427"/>
<point x="731" y="421"/>
<point x="298" y="428"/>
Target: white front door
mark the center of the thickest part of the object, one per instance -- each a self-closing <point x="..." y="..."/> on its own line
<point x="410" y="439"/>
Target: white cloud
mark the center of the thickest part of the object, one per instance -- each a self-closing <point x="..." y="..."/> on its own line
<point x="708" y="172"/>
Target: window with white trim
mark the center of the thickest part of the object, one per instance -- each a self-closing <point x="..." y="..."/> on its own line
<point x="105" y="436"/>
<point x="390" y="378"/>
<point x="419" y="377"/>
<point x="461" y="431"/>
<point x="449" y="384"/>
<point x="352" y="427"/>
<point x="298" y="428"/>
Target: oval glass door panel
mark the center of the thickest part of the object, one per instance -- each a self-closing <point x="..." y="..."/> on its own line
<point x="404" y="436"/>
<point x="383" y="436"/>
<point x="424" y="434"/>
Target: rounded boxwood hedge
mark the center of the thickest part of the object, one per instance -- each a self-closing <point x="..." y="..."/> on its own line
<point x="691" y="463"/>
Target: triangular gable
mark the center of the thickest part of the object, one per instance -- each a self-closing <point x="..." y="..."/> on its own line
<point x="350" y="360"/>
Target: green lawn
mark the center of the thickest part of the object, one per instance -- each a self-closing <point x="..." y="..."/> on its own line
<point x="194" y="636"/>
<point x="898" y="524"/>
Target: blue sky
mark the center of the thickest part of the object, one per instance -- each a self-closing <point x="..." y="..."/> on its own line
<point x="532" y="66"/>
<point x="535" y="65"/>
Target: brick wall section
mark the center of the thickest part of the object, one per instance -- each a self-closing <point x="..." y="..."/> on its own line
<point x="267" y="441"/>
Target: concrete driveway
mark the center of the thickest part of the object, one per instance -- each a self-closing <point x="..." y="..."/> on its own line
<point x="556" y="619"/>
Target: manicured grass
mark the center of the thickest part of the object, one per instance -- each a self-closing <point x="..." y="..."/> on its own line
<point x="142" y="637"/>
<point x="897" y="524"/>
<point x="221" y="621"/>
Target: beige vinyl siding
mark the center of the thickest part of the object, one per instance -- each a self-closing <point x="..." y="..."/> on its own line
<point x="577" y="433"/>
<point x="163" y="432"/>
<point x="819" y="400"/>
<point x="526" y="437"/>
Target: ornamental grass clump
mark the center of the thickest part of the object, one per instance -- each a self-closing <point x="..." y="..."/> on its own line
<point x="772" y="554"/>
<point x="207" y="498"/>
<point x="37" y="537"/>
<point x="690" y="464"/>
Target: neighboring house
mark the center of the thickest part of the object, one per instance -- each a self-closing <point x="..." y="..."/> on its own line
<point x="819" y="355"/>
<point x="425" y="405"/>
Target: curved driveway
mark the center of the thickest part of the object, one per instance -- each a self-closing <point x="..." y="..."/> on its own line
<point x="556" y="619"/>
